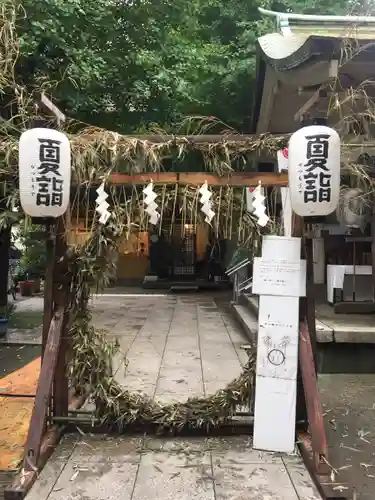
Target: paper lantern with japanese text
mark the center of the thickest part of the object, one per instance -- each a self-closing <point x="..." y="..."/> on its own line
<point x="314" y="171"/>
<point x="44" y="172"/>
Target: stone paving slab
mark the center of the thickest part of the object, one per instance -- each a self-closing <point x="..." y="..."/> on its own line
<point x="168" y="476"/>
<point x="32" y="336"/>
<point x="137" y="468"/>
<point x="23" y="337"/>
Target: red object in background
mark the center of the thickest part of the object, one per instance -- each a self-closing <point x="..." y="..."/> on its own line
<point x="285" y="153"/>
<point x="26" y="288"/>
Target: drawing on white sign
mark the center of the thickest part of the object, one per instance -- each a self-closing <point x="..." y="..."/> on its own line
<point x="276" y="357"/>
<point x="276" y="354"/>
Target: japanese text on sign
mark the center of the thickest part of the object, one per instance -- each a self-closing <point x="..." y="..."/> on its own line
<point x="47" y="176"/>
<point x="276" y="277"/>
<point x="314" y="175"/>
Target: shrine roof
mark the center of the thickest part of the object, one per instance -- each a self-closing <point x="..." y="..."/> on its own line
<point x="304" y="44"/>
<point x="299" y="37"/>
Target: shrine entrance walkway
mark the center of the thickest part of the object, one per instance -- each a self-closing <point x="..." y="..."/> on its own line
<point x="176" y="346"/>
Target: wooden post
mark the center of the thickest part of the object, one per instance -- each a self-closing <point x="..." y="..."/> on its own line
<point x="373" y="252"/>
<point x="307" y="391"/>
<point x="4" y="266"/>
<point x="60" y="118"/>
<point x="60" y="401"/>
<point x="43" y="392"/>
<point x="301" y="414"/>
<point x="48" y="283"/>
<point x="310" y="298"/>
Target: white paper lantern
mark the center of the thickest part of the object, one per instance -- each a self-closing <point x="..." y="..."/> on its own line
<point x="44" y="172"/>
<point x="314" y="170"/>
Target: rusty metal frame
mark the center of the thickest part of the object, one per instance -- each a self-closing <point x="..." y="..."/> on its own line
<point x="313" y="445"/>
<point x="313" y="406"/>
<point x="328" y="487"/>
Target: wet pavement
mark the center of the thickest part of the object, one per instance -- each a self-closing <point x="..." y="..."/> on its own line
<point x="25" y="336"/>
<point x="176" y="347"/>
<point x="140" y="468"/>
<point x="21" y="346"/>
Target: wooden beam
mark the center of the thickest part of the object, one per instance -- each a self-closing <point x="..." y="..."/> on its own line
<point x="43" y="393"/>
<point x="321" y="72"/>
<point x="270" y="89"/>
<point x="239" y="179"/>
<point x="204" y="139"/>
<point x="308" y="104"/>
<point x="54" y="110"/>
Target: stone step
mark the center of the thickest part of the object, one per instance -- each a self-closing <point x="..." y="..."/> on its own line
<point x="252" y="302"/>
<point x="323" y="332"/>
<point x="248" y="321"/>
<point x="184" y="288"/>
<point x="335" y="352"/>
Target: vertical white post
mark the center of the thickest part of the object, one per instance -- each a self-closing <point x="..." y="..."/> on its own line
<point x="287" y="211"/>
<point x="282" y="164"/>
<point x="279" y="278"/>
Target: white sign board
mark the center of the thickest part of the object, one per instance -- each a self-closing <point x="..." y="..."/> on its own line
<point x="44" y="172"/>
<point x="275" y="414"/>
<point x="281" y="248"/>
<point x="279" y="277"/>
<point x="276" y="277"/>
<point x="278" y="335"/>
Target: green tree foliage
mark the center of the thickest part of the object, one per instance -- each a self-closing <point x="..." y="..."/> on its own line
<point x="33" y="260"/>
<point x="126" y="64"/>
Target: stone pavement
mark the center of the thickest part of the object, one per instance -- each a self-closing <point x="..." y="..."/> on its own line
<point x="32" y="336"/>
<point x="140" y="468"/>
<point x="177" y="346"/>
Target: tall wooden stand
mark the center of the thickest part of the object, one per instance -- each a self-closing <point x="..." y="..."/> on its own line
<point x="52" y="389"/>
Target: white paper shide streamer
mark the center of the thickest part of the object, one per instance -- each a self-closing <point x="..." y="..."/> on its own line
<point x="205" y="200"/>
<point x="151" y="207"/>
<point x="102" y="205"/>
<point x="259" y="206"/>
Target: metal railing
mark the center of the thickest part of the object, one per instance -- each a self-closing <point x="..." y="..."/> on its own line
<point x="238" y="285"/>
